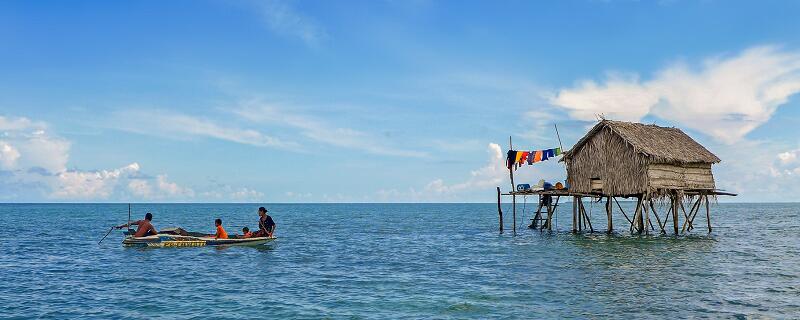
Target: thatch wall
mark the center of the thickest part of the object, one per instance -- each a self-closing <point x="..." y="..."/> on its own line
<point x="633" y="158"/>
<point x="606" y="156"/>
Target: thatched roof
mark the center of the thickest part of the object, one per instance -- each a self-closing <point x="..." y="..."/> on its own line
<point x="669" y="145"/>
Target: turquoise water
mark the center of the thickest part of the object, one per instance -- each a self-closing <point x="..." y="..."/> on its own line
<point x="378" y="261"/>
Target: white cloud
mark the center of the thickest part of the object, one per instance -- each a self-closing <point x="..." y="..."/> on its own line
<point x="283" y="19"/>
<point x="726" y="98"/>
<point x="483" y="179"/>
<point x="225" y="192"/>
<point x="8" y="155"/>
<point x="320" y="131"/>
<point x="34" y="168"/>
<point x="179" y="126"/>
<point x="486" y="177"/>
<point x="99" y="184"/>
<point x="789" y="157"/>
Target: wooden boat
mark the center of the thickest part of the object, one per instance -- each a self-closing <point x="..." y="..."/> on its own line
<point x="176" y="240"/>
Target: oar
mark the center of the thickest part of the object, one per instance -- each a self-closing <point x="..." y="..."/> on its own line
<point x="107" y="233"/>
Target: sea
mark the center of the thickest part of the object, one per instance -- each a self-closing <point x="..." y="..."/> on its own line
<point x="397" y="261"/>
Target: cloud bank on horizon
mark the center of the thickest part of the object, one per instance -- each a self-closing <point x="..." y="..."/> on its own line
<point x="306" y="102"/>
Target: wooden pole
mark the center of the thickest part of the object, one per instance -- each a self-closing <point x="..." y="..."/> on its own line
<point x="586" y="218"/>
<point x="575" y="200"/>
<point x="637" y="211"/>
<point x="658" y="219"/>
<point x="608" y="215"/>
<point x="513" y="189"/>
<point x="708" y="214"/>
<point x="647" y="221"/>
<point x="690" y="216"/>
<point x="640" y="217"/>
<point x="675" y="213"/>
<point x="623" y="211"/>
<point x="499" y="210"/>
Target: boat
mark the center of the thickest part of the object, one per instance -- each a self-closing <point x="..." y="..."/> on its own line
<point x="179" y="238"/>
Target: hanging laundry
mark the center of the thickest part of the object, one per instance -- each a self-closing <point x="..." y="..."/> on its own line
<point x="538" y="156"/>
<point x="545" y="155"/>
<point x="510" y="158"/>
<point x="524" y="157"/>
<point x="530" y="157"/>
<point x="558" y="151"/>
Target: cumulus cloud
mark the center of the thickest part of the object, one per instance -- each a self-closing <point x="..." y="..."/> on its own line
<point x="483" y="180"/>
<point x="8" y="155"/>
<point x="33" y="167"/>
<point x="725" y="97"/>
<point x="486" y="177"/>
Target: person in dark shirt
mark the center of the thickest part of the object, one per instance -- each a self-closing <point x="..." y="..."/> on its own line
<point x="266" y="226"/>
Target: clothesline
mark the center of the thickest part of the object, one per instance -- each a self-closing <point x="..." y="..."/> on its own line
<point x="516" y="158"/>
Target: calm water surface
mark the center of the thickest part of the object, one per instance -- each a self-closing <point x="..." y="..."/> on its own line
<point x="377" y="261"/>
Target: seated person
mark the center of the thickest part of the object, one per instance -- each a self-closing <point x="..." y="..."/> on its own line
<point x="266" y="226"/>
<point x="246" y="233"/>
<point x="221" y="234"/>
<point x="145" y="227"/>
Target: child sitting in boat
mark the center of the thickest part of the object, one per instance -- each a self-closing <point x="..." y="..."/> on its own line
<point x="246" y="233"/>
<point x="221" y="234"/>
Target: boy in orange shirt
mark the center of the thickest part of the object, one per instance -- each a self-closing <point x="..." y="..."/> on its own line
<point x="221" y="234"/>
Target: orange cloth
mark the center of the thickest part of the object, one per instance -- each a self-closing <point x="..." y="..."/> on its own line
<point x="524" y="157"/>
<point x="519" y="156"/>
<point x="538" y="156"/>
<point x="221" y="234"/>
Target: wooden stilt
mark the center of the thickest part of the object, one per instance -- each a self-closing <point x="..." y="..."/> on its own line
<point x="623" y="211"/>
<point x="690" y="216"/>
<point x="586" y="218"/>
<point x="666" y="219"/>
<point x="514" y="212"/>
<point x="608" y="215"/>
<point x="647" y="221"/>
<point x="637" y="212"/>
<point x="675" y="213"/>
<point x="658" y="220"/>
<point x="575" y="200"/>
<point x="551" y="211"/>
<point x="708" y="214"/>
<point x="537" y="217"/>
<point x="640" y="217"/>
<point x="581" y="220"/>
<point x="499" y="210"/>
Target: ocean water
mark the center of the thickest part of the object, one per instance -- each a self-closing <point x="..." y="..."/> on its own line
<point x="379" y="261"/>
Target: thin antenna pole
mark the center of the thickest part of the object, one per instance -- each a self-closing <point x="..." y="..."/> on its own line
<point x="559" y="138"/>
<point x="129" y="215"/>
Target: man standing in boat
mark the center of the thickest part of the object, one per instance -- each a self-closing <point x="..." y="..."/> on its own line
<point x="265" y="224"/>
<point x="145" y="227"/>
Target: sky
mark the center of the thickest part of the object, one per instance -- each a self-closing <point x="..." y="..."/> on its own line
<point x="379" y="101"/>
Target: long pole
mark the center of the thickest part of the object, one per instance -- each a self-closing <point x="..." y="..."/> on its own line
<point x="129" y="215"/>
<point x="559" y="138"/>
<point x="499" y="210"/>
<point x="513" y="188"/>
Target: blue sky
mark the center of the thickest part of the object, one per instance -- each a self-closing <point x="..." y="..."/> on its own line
<point x="378" y="101"/>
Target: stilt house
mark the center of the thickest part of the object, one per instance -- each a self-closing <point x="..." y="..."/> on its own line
<point x="628" y="159"/>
